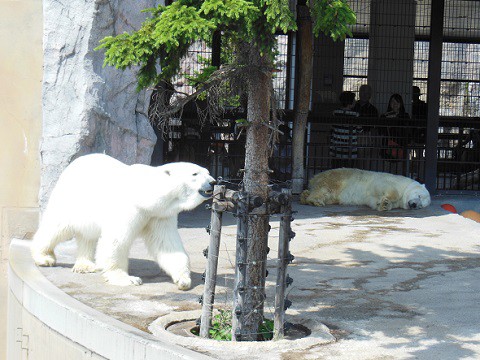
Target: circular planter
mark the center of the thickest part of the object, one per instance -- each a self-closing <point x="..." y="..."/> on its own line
<point x="178" y="326"/>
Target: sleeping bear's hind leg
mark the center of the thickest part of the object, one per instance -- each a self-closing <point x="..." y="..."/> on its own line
<point x="304" y="196"/>
<point x="320" y="197"/>
<point x="165" y="245"/>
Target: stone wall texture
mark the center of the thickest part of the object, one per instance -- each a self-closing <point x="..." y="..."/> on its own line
<point x="88" y="108"/>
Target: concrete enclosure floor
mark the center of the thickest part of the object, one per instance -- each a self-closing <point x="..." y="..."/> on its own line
<point x="393" y="285"/>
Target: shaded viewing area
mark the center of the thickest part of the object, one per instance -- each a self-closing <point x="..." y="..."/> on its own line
<point x="396" y="46"/>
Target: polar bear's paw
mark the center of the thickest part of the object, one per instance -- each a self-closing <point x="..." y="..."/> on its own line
<point x="184" y="282"/>
<point x="385" y="204"/>
<point x="121" y="278"/>
<point x="84" y="266"/>
<point x="44" y="259"/>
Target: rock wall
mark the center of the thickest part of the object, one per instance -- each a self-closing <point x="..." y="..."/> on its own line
<point x="88" y="108"/>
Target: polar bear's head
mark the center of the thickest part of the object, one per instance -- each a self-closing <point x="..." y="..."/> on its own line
<point x="194" y="183"/>
<point x="416" y="196"/>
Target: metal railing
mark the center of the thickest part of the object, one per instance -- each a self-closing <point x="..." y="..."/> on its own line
<point x="387" y="145"/>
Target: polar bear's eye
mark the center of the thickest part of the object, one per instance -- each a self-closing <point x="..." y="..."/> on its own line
<point x="195" y="174"/>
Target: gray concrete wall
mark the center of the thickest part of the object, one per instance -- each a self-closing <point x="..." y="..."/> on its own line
<point x="328" y="74"/>
<point x="25" y="346"/>
<point x="391" y="50"/>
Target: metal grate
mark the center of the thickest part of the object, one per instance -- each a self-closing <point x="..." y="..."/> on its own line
<point x="393" y="54"/>
<point x="280" y="77"/>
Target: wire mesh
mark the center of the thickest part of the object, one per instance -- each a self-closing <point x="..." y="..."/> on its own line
<point x="460" y="60"/>
<point x="390" y="49"/>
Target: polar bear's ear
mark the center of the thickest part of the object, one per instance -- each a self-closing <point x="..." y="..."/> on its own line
<point x="167" y="172"/>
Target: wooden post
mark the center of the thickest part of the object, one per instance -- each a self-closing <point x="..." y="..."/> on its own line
<point x="283" y="260"/>
<point x="240" y="267"/>
<point x="212" y="264"/>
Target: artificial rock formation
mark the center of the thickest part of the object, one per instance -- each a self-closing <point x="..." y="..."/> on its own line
<point x="87" y="107"/>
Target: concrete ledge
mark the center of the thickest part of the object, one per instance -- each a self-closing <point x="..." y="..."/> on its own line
<point x="83" y="326"/>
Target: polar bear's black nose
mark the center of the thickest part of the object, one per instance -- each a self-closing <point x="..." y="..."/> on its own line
<point x="213" y="182"/>
<point x="412" y="205"/>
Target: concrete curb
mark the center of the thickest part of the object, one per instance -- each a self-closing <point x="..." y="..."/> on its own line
<point x="84" y="326"/>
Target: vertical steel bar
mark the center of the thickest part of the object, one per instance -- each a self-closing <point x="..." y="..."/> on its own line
<point x="433" y="94"/>
<point x="212" y="263"/>
<point x="240" y="267"/>
<point x="283" y="251"/>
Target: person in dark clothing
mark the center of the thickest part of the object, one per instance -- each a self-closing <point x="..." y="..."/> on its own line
<point x="419" y="112"/>
<point x="396" y="108"/>
<point x="396" y="134"/>
<point x="366" y="109"/>
<point x="363" y="106"/>
<point x="344" y="137"/>
<point x="419" y="107"/>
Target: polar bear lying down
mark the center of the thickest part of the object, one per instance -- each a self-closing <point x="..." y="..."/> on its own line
<point x="380" y="191"/>
<point x="105" y="205"/>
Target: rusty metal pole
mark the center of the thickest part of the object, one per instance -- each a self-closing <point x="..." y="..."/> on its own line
<point x="284" y="257"/>
<point x="240" y="267"/>
<point x="212" y="264"/>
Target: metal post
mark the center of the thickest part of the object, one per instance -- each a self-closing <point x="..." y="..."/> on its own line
<point x="212" y="264"/>
<point x="283" y="260"/>
<point x="240" y="266"/>
<point x="433" y="94"/>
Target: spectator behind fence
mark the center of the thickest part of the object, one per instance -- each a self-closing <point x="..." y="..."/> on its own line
<point x="419" y="107"/>
<point x="419" y="112"/>
<point x="396" y="131"/>
<point x="363" y="106"/>
<point x="344" y="137"/>
<point x="396" y="108"/>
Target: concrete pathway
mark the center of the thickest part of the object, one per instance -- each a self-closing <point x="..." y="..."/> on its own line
<point x="395" y="285"/>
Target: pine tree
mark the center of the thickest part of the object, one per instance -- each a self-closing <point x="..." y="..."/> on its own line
<point x="249" y="27"/>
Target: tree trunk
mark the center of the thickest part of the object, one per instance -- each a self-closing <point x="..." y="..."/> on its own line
<point x="302" y="95"/>
<point x="256" y="180"/>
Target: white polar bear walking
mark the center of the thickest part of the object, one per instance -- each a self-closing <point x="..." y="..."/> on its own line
<point x="98" y="199"/>
<point x="380" y="191"/>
